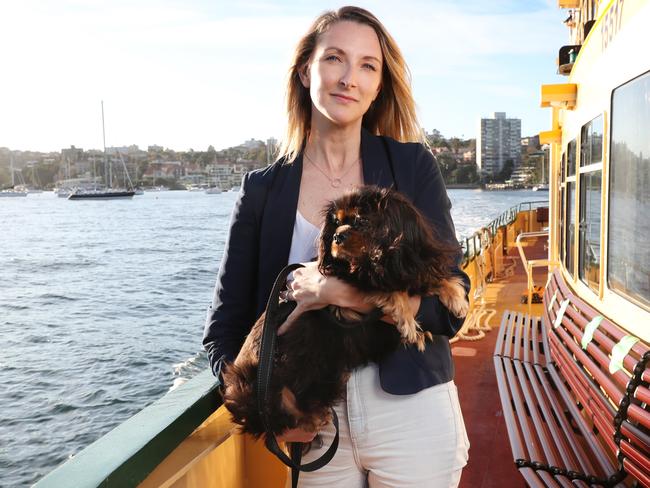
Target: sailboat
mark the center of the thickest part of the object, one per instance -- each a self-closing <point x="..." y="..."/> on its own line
<point x="13" y="192"/>
<point x="108" y="193"/>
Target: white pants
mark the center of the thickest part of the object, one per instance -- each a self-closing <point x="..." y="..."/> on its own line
<point x="397" y="441"/>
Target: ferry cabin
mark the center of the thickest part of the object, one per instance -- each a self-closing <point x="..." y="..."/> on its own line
<point x="600" y="160"/>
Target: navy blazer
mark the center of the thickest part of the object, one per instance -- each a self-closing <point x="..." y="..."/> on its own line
<point x="260" y="239"/>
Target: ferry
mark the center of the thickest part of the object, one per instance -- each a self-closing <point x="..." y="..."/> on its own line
<point x="552" y="364"/>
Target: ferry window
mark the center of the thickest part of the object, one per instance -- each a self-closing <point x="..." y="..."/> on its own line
<point x="629" y="194"/>
<point x="589" y="250"/>
<point x="571" y="157"/>
<point x="592" y="142"/>
<point x="563" y="168"/>
<point x="570" y="226"/>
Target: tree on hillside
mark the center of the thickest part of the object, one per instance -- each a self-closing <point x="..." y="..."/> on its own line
<point x="447" y="164"/>
<point x="465" y="174"/>
<point x="455" y="144"/>
<point x="435" y="138"/>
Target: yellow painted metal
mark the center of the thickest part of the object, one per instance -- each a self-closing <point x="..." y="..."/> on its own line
<point x="561" y="95"/>
<point x="529" y="264"/>
<point x="568" y="3"/>
<point x="213" y="458"/>
<point x="550" y="137"/>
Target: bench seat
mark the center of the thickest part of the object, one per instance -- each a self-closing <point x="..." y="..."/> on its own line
<point x="575" y="416"/>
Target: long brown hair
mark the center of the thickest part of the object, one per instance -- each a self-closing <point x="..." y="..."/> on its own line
<point x="391" y="114"/>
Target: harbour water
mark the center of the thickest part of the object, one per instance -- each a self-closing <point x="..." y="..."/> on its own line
<point x="102" y="305"/>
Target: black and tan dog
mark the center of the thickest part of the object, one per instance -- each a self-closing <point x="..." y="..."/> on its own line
<point x="376" y="240"/>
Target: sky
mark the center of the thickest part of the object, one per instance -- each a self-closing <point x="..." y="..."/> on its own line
<point x="191" y="73"/>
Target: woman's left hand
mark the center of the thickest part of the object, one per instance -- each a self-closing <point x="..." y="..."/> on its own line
<point x="311" y="291"/>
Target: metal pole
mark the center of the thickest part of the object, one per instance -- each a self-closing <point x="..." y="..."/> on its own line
<point x="107" y="165"/>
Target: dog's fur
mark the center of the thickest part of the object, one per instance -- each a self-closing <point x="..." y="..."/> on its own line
<point x="376" y="240"/>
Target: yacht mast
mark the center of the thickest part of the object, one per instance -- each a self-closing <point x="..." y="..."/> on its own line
<point x="11" y="164"/>
<point x="106" y="163"/>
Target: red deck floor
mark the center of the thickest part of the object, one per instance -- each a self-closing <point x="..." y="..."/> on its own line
<point x="490" y="458"/>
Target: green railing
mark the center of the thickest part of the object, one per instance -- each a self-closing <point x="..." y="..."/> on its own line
<point x="484" y="236"/>
<point x="126" y="455"/>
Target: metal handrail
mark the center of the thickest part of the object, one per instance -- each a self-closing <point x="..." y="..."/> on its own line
<point x="505" y="218"/>
<point x="530" y="264"/>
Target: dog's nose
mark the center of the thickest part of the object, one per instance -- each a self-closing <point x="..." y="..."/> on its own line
<point x="339" y="238"/>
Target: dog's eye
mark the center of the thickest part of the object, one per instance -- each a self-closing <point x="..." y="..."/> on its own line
<point x="359" y="221"/>
<point x="334" y="219"/>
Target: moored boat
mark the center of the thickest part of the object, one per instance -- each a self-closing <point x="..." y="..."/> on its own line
<point x="100" y="194"/>
<point x="108" y="193"/>
<point x="12" y="193"/>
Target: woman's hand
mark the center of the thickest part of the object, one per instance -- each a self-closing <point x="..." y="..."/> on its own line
<point x="296" y="435"/>
<point x="311" y="291"/>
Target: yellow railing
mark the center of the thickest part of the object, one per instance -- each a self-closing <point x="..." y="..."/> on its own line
<point x="529" y="264"/>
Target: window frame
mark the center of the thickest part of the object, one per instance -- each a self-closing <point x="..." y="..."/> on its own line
<point x="567" y="180"/>
<point x="609" y="294"/>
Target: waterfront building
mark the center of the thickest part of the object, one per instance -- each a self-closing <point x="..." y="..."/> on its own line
<point x="498" y="141"/>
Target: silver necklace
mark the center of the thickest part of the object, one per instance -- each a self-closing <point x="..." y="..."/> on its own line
<point x="334" y="182"/>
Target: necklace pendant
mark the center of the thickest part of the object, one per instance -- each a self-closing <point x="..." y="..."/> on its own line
<point x="336" y="183"/>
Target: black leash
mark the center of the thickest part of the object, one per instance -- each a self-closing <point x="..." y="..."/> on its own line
<point x="264" y="371"/>
<point x="275" y="315"/>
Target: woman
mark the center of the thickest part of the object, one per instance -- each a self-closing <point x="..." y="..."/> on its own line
<point x="401" y="424"/>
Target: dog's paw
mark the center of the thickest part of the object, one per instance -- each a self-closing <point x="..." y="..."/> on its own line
<point x="408" y="328"/>
<point x="452" y="296"/>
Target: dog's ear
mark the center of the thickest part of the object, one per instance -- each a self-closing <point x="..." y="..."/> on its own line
<point x="415" y="258"/>
<point x="240" y="399"/>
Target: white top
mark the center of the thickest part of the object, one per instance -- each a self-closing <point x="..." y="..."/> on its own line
<point x="304" y="243"/>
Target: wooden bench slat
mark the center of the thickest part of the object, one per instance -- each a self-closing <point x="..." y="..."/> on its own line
<point x="563" y="481"/>
<point x="553" y="411"/>
<point x="533" y="478"/>
<point x="507" y="349"/>
<point x="531" y="444"/>
<point x="642" y="394"/>
<point x="535" y="341"/>
<point x="580" y="484"/>
<point x="635" y="435"/>
<point x="585" y="392"/>
<point x="526" y="339"/>
<point x="635" y="471"/>
<point x="551" y="455"/>
<point x="635" y="456"/>
<point x="519" y="324"/>
<point x="639" y="415"/>
<point x="600" y="354"/>
<point x="589" y="391"/>
<point x="605" y="464"/>
<point x="645" y="376"/>
<point x="500" y="343"/>
<point x="516" y="443"/>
